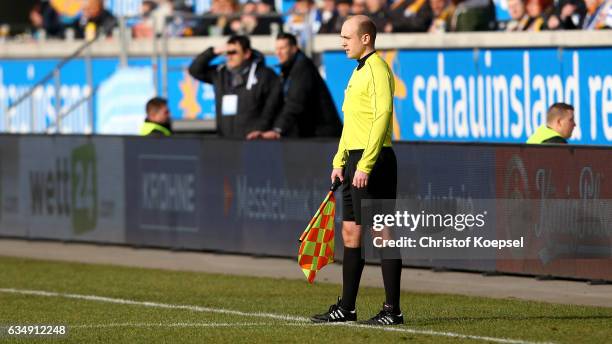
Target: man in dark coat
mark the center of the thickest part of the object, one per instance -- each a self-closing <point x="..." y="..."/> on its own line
<point x="246" y="91"/>
<point x="95" y="14"/>
<point x="343" y="11"/>
<point x="411" y="15"/>
<point x="380" y="13"/>
<point x="308" y="109"/>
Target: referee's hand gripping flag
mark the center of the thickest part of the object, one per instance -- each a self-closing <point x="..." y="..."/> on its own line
<point x="317" y="241"/>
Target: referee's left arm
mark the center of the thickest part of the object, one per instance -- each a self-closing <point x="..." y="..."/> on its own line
<point x="381" y="94"/>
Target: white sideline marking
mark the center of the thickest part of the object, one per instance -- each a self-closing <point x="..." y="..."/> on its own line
<point x="302" y="320"/>
<point x="152" y="304"/>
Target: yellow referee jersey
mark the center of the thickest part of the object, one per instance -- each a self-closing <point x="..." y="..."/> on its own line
<point x="368" y="113"/>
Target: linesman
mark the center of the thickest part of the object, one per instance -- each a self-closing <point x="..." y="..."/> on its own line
<point x="366" y="164"/>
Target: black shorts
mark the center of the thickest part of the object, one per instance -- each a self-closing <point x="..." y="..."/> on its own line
<point x="382" y="183"/>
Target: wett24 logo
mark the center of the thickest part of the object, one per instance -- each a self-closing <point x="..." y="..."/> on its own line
<point x="67" y="186"/>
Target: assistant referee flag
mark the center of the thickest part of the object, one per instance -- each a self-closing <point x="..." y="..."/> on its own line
<point x="317" y="240"/>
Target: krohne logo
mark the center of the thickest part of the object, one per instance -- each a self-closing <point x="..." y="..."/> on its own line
<point x="68" y="188"/>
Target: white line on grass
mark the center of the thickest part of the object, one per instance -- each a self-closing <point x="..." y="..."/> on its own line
<point x="153" y="304"/>
<point x="257" y="314"/>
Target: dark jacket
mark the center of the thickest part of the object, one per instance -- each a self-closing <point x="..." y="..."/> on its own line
<point x="333" y="25"/>
<point x="104" y="22"/>
<point x="474" y="15"/>
<point x="556" y="139"/>
<point x="308" y="108"/>
<point x="53" y="25"/>
<point x="381" y="18"/>
<point x="412" y="16"/>
<point x="574" y="21"/>
<point x="256" y="86"/>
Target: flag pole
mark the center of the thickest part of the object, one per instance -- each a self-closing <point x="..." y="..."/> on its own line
<point x="332" y="189"/>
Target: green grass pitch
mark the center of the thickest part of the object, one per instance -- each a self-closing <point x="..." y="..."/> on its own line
<point x="188" y="307"/>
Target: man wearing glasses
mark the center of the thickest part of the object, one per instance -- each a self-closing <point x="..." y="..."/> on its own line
<point x="246" y="91"/>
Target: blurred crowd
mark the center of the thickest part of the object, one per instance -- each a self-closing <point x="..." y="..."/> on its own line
<point x="307" y="17"/>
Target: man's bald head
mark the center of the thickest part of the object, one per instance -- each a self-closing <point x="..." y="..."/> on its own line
<point x="358" y="36"/>
<point x="364" y="26"/>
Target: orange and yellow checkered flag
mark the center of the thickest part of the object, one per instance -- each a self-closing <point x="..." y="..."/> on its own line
<point x="317" y="241"/>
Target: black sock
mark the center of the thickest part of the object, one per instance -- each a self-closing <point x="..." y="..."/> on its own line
<point x="392" y="274"/>
<point x="352" y="267"/>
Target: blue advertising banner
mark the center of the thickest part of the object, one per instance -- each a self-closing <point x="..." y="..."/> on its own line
<point x="18" y="76"/>
<point x="496" y="95"/>
<point x="461" y="95"/>
<point x="120" y="94"/>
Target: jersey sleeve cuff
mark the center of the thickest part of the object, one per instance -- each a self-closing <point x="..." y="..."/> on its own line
<point x="364" y="169"/>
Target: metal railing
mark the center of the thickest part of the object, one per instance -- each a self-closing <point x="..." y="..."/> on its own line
<point x="38" y="123"/>
<point x="27" y="115"/>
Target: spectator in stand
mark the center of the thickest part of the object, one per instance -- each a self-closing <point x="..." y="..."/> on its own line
<point x="37" y="21"/>
<point x="358" y="7"/>
<point x="53" y="23"/>
<point x="378" y="11"/>
<point x="217" y="20"/>
<point x="185" y="6"/>
<point x="257" y="19"/>
<point x="567" y="15"/>
<point x="304" y="21"/>
<point x="538" y="12"/>
<point x="599" y="15"/>
<point x="249" y="7"/>
<point x="145" y="27"/>
<point x="473" y="15"/>
<point x="96" y="17"/>
<point x="270" y="22"/>
<point x="518" y="16"/>
<point x="442" y="12"/>
<point x="412" y="15"/>
<point x="182" y="21"/>
<point x="247" y="22"/>
<point x="164" y="11"/>
<point x="343" y="11"/>
<point x="327" y="11"/>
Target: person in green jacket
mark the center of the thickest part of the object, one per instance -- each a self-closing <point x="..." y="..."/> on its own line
<point x="559" y="125"/>
<point x="157" y="122"/>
